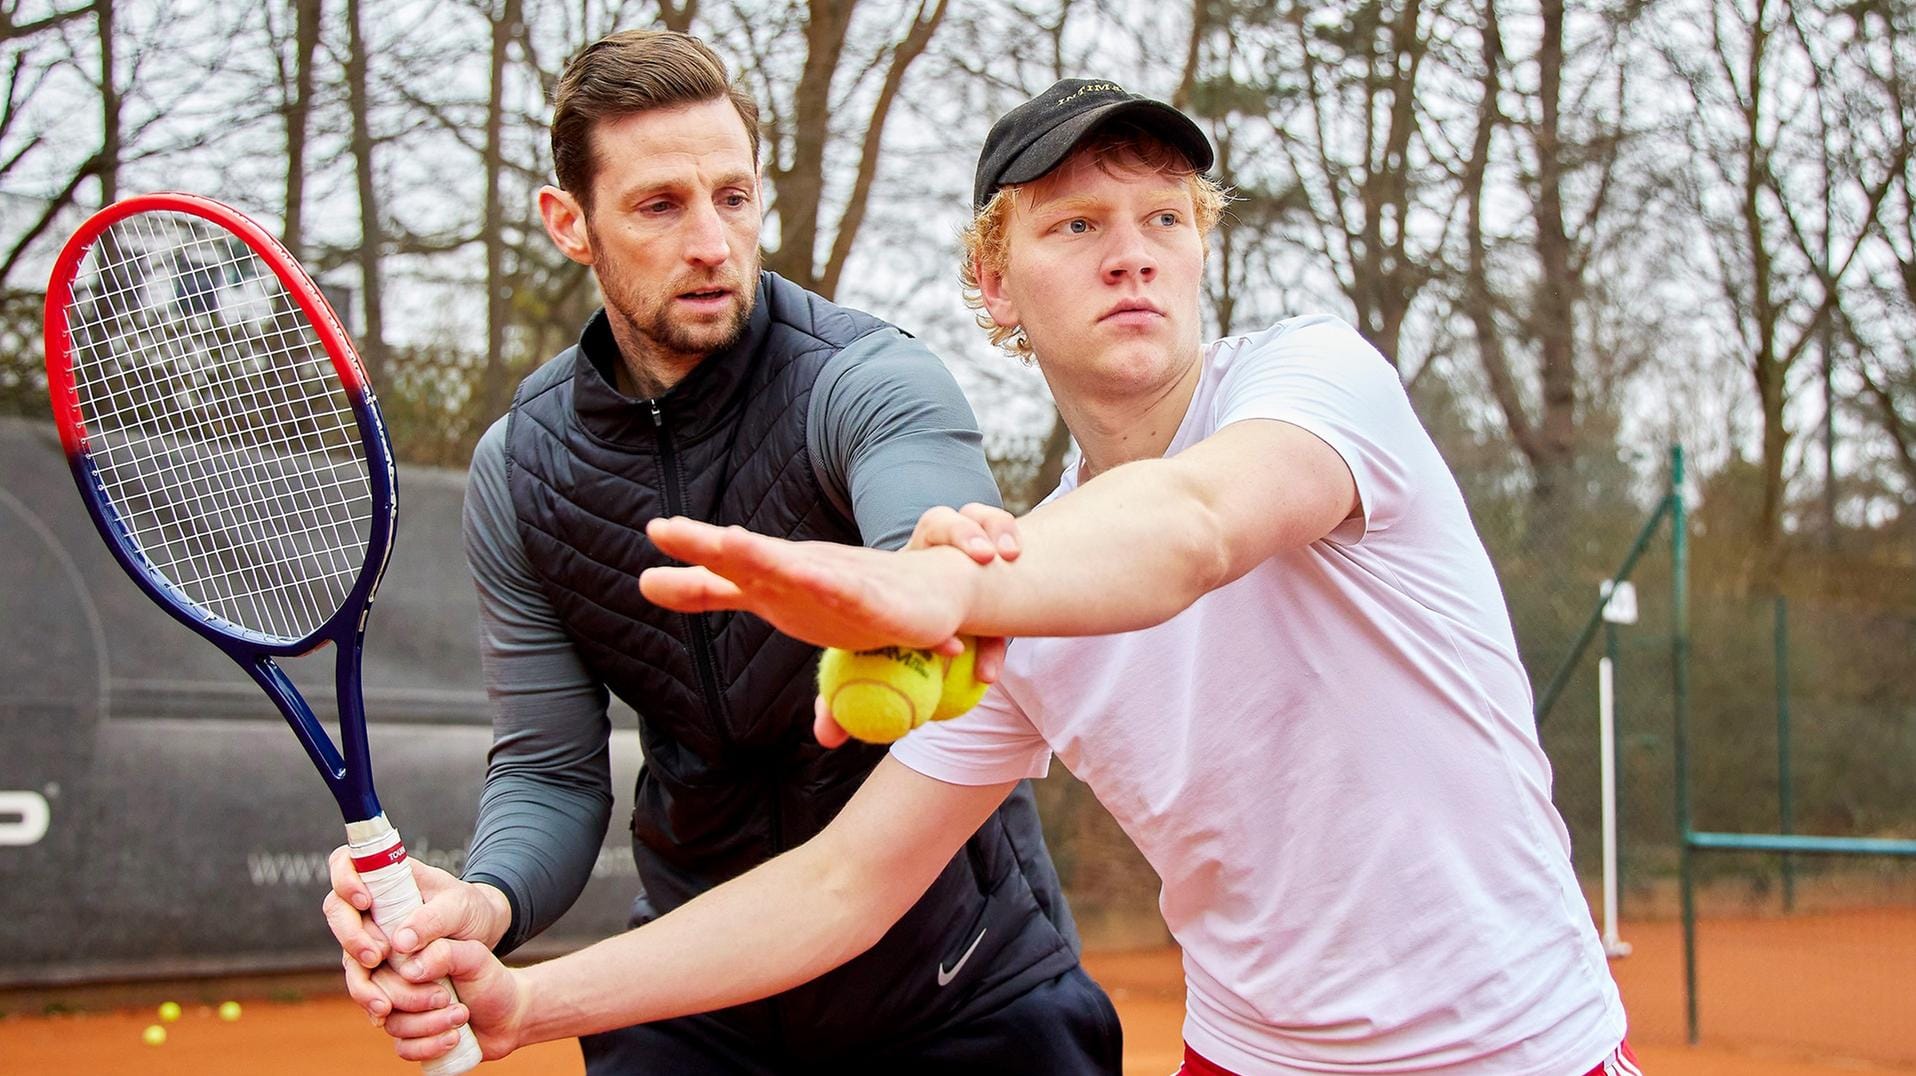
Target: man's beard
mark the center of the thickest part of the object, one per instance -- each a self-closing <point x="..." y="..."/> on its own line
<point x="650" y="315"/>
<point x="692" y="339"/>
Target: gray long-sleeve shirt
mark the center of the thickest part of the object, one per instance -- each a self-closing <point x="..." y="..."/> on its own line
<point x="890" y="436"/>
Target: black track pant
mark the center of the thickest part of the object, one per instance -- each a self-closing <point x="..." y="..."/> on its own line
<point x="1062" y="1027"/>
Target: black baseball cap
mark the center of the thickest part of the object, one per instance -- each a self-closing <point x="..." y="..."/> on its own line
<point x="1037" y="136"/>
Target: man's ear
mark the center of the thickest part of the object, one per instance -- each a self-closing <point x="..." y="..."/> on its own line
<point x="991" y="288"/>
<point x="565" y="224"/>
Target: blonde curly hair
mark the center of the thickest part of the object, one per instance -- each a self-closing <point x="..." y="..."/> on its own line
<point x="987" y="240"/>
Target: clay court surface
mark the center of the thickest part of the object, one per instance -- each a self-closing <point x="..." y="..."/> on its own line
<point x="1806" y="996"/>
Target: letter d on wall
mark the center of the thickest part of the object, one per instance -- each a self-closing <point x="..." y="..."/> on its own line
<point x="23" y="818"/>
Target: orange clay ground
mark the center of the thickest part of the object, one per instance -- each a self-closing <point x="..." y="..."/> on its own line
<point x="1807" y="996"/>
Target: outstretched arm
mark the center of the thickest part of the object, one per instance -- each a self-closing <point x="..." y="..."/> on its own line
<point x="781" y="924"/>
<point x="1131" y="548"/>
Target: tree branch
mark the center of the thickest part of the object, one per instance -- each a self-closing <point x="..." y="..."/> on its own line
<point x="923" y="25"/>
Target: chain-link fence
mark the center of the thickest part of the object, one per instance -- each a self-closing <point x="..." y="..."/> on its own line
<point x="1801" y="710"/>
<point x="23" y="375"/>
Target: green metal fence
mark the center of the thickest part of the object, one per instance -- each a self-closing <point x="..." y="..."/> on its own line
<point x="1752" y="730"/>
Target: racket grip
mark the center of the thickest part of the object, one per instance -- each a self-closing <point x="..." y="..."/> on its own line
<point x="380" y="857"/>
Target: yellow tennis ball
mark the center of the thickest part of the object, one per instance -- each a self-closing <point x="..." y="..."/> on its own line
<point x="879" y="695"/>
<point x="229" y="1011"/>
<point x="169" y="1011"/>
<point x="962" y="689"/>
<point x="154" y="1035"/>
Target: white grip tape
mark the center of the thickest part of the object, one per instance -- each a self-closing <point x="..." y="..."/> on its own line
<point x="395" y="896"/>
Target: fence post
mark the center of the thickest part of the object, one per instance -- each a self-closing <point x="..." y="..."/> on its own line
<point x="1680" y="688"/>
<point x="1785" y="815"/>
<point x="1611" y="651"/>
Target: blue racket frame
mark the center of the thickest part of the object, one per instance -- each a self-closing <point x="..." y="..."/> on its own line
<point x="346" y="768"/>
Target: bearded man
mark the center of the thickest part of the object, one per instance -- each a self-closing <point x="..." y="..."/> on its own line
<point x="709" y="388"/>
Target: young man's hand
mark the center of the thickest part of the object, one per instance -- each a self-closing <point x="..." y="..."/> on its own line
<point x="984" y="533"/>
<point x="452" y="909"/>
<point x="493" y="1000"/>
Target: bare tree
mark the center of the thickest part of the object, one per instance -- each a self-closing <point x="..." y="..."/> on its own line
<point x="1525" y="287"/>
<point x="1878" y="313"/>
<point x="109" y="167"/>
<point x="1764" y="175"/>
<point x="505" y="28"/>
<point x="1358" y="131"/>
<point x="372" y="341"/>
<point x="800" y="130"/>
<point x="37" y="51"/>
<point x="296" y="87"/>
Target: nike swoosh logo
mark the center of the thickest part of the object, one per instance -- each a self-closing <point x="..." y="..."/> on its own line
<point x="945" y="977"/>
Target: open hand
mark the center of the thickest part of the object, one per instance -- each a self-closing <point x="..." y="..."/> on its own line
<point x="822" y="592"/>
<point x="984" y="533"/>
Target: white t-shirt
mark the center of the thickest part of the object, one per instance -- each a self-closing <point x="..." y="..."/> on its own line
<point x="1331" y="763"/>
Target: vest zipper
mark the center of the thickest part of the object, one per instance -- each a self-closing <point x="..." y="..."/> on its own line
<point x="696" y="627"/>
<point x="699" y="631"/>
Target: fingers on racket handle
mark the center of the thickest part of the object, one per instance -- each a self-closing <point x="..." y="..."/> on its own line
<point x="380" y="858"/>
<point x="463" y="1057"/>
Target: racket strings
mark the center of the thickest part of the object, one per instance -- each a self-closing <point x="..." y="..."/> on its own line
<point x="261" y="575"/>
<point x="221" y="432"/>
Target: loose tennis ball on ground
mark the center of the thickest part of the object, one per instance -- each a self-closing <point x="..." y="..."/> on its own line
<point x="229" y="1011"/>
<point x="169" y="1011"/>
<point x="154" y="1035"/>
<point x="879" y="695"/>
<point x="962" y="689"/>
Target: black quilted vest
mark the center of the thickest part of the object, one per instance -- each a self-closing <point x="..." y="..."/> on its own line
<point x="732" y="775"/>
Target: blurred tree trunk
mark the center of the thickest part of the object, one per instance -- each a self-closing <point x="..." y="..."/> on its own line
<point x="923" y="25"/>
<point x="1057" y="445"/>
<point x="1891" y="385"/>
<point x="1559" y="285"/>
<point x="798" y="175"/>
<point x="1218" y="86"/>
<point x="505" y="27"/>
<point x="372" y="341"/>
<point x="1526" y="325"/>
<point x="1201" y="21"/>
<point x="678" y="16"/>
<point x="1480" y="301"/>
<point x="1866" y="105"/>
<point x="1548" y="442"/>
<point x="299" y="108"/>
<point x="800" y="179"/>
<point x="109" y="166"/>
<point x="1224" y="282"/>
<point x="1767" y="365"/>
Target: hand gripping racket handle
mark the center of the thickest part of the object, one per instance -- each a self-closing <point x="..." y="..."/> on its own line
<point x="380" y="857"/>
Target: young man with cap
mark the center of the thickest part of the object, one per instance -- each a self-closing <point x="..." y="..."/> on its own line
<point x="1255" y="618"/>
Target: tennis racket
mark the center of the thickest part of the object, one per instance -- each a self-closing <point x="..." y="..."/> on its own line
<point x="227" y="446"/>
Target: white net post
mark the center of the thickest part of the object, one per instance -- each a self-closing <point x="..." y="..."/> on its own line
<point x="1620" y="607"/>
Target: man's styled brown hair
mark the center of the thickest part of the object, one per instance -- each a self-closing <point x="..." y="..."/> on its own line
<point x="634" y="71"/>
